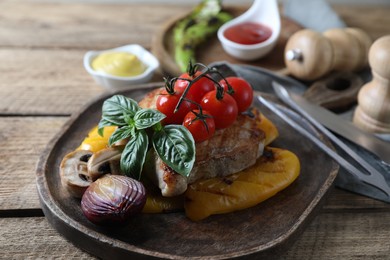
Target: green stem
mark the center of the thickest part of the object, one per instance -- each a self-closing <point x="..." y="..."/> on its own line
<point x="169" y="86"/>
<point x="191" y="82"/>
<point x="205" y="73"/>
<point x="157" y="127"/>
<point x="230" y="88"/>
<point x="202" y="117"/>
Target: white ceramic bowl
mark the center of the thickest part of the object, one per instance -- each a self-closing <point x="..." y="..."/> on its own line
<point x="115" y="82"/>
<point x="265" y="12"/>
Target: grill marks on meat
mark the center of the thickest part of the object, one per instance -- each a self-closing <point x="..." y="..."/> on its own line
<point x="230" y="150"/>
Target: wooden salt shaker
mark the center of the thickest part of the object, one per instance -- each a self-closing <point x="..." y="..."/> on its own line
<point x="373" y="111"/>
<point x="309" y="55"/>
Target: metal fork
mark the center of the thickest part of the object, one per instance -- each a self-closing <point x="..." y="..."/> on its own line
<point x="373" y="178"/>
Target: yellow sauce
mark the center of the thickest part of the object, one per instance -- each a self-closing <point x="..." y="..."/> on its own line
<point x="121" y="64"/>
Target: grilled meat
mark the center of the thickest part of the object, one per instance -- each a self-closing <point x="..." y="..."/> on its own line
<point x="230" y="150"/>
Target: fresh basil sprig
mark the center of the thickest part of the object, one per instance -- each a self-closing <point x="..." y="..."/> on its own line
<point x="173" y="143"/>
<point x="175" y="146"/>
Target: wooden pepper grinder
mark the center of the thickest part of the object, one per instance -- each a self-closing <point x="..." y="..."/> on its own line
<point x="310" y="55"/>
<point x="373" y="111"/>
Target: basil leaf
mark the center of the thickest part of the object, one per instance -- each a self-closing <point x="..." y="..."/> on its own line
<point x="176" y="147"/>
<point x="134" y="154"/>
<point x="103" y="123"/>
<point x="120" y="134"/>
<point x="117" y="108"/>
<point x="145" y="118"/>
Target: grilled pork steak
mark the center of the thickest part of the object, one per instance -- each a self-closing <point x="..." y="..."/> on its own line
<point x="230" y="150"/>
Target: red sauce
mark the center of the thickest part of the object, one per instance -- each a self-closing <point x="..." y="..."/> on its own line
<point x="248" y="33"/>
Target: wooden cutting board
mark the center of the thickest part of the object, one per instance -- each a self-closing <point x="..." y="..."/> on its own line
<point x="211" y="50"/>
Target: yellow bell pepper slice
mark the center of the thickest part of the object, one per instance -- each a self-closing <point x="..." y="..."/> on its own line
<point x="270" y="130"/>
<point x="273" y="172"/>
<point x="156" y="203"/>
<point x="94" y="142"/>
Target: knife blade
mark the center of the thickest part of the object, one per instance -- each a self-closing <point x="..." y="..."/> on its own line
<point x="285" y="96"/>
<point x="373" y="178"/>
<point x="345" y="128"/>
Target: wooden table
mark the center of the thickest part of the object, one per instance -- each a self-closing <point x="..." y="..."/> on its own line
<point x="42" y="82"/>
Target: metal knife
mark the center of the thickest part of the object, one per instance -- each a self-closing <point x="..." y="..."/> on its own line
<point x="344" y="128"/>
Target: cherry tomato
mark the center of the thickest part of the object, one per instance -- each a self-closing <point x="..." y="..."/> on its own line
<point x="243" y="92"/>
<point x="223" y="110"/>
<point x="198" y="89"/>
<point x="166" y="104"/>
<point x="201" y="126"/>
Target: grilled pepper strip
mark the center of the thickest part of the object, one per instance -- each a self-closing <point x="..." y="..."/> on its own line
<point x="203" y="22"/>
<point x="273" y="172"/>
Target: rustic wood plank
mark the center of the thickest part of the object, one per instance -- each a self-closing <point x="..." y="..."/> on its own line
<point x="22" y="140"/>
<point x="344" y="236"/>
<point x="82" y="26"/>
<point x="329" y="236"/>
<point x="33" y="238"/>
<point x="107" y="25"/>
<point x="342" y="200"/>
<point x="49" y="82"/>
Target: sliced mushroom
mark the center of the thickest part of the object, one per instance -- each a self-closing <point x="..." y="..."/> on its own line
<point x="105" y="161"/>
<point x="74" y="172"/>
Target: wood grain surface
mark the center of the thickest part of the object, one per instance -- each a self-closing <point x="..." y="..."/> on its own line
<point x="42" y="82"/>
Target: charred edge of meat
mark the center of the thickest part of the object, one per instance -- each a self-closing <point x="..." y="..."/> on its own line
<point x="268" y="155"/>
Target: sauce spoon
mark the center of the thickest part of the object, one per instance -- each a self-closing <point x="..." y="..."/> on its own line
<point x="263" y="12"/>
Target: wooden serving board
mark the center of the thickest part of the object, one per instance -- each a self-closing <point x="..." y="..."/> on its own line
<point x="261" y="230"/>
<point x="211" y="50"/>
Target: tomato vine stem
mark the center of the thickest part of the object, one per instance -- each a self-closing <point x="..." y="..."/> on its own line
<point x="202" y="117"/>
<point x="192" y="69"/>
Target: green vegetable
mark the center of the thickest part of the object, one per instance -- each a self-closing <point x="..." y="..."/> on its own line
<point x="173" y="143"/>
<point x="134" y="154"/>
<point x="176" y="144"/>
<point x="194" y="29"/>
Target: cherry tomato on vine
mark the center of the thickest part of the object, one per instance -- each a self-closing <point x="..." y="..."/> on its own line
<point x="243" y="92"/>
<point x="198" y="89"/>
<point x="223" y="108"/>
<point x="166" y="104"/>
<point x="201" y="126"/>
